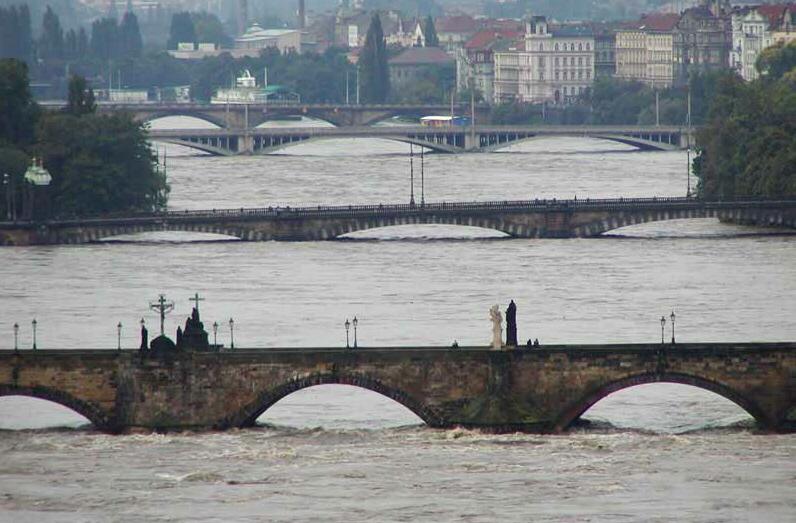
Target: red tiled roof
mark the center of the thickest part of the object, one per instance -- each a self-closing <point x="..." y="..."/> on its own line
<point x="456" y="24"/>
<point x="774" y="13"/>
<point x="658" y="22"/>
<point x="482" y="39"/>
<point x="421" y="56"/>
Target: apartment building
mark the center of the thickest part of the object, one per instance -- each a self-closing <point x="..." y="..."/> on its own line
<point x="553" y="65"/>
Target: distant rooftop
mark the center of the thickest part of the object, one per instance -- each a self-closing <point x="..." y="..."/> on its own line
<point x="422" y="56"/>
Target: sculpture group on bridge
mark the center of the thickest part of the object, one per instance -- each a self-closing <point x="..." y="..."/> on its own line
<point x="192" y="338"/>
<point x="511" y="328"/>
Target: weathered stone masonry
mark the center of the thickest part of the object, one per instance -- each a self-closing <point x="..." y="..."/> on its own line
<point x="539" y="390"/>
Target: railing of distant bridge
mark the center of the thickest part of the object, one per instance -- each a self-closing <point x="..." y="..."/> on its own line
<point x="385" y="210"/>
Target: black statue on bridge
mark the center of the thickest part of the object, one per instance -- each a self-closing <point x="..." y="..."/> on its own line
<point x="511" y="325"/>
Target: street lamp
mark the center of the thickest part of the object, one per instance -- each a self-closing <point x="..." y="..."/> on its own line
<point x="347" y="326"/>
<point x="411" y="176"/>
<point x="34" y="323"/>
<point x="119" y="336"/>
<point x="215" y="334"/>
<point x="16" y="337"/>
<point x="672" y="318"/>
<point x="7" y="191"/>
<point x="355" y="322"/>
<point x="663" y="323"/>
<point x="231" y="333"/>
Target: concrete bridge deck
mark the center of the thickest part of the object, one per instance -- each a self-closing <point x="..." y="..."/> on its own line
<point x="535" y="390"/>
<point x="583" y="218"/>
<point x="452" y="139"/>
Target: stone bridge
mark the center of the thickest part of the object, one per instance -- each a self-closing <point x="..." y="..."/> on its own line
<point x="519" y="219"/>
<point x="535" y="390"/>
<point x="452" y="139"/>
<point x="244" y="116"/>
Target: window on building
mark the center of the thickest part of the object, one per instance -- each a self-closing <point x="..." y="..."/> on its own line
<point x="541" y="61"/>
<point x="588" y="46"/>
<point x="580" y="61"/>
<point x="541" y="76"/>
<point x="572" y="47"/>
<point x="580" y="75"/>
<point x="556" y="47"/>
<point x="541" y="47"/>
<point x="557" y="75"/>
<point x="557" y="61"/>
<point x="580" y="47"/>
<point x="588" y="75"/>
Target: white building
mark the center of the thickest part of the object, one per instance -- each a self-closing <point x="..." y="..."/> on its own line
<point x="556" y="65"/>
<point x="750" y="35"/>
<point x="256" y="38"/>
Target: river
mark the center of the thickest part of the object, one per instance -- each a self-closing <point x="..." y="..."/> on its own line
<point x="656" y="452"/>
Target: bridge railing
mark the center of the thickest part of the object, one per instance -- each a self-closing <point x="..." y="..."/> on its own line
<point x="385" y="210"/>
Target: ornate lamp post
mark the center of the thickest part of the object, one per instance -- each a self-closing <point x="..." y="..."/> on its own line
<point x="663" y="324"/>
<point x="16" y="337"/>
<point x="347" y="326"/>
<point x="34" y="323"/>
<point x="215" y="334"/>
<point x="231" y="334"/>
<point x="672" y="318"/>
<point x="7" y="191"/>
<point x="119" y="336"/>
<point x="355" y="323"/>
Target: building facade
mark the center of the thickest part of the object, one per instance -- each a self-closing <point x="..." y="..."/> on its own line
<point x="475" y="62"/>
<point x="702" y="40"/>
<point x="645" y="50"/>
<point x="555" y="65"/>
<point x="750" y="35"/>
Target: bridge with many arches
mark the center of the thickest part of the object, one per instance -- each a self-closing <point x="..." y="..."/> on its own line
<point x="519" y="219"/>
<point x="451" y="139"/>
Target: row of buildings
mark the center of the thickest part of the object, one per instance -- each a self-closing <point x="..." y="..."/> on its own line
<point x="556" y="63"/>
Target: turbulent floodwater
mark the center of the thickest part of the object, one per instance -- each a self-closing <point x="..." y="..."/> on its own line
<point x="657" y="452"/>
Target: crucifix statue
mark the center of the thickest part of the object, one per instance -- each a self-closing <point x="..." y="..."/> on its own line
<point x="163" y="307"/>
<point x="196" y="299"/>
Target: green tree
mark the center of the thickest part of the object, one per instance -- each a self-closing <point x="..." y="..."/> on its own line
<point x="748" y="145"/>
<point x="105" y="39"/>
<point x="777" y="60"/>
<point x="208" y="29"/>
<point x="15" y="33"/>
<point x="430" y="31"/>
<point x="130" y="43"/>
<point x="81" y="97"/>
<point x="18" y="111"/>
<point x="100" y="164"/>
<point x="182" y="29"/>
<point x="374" y="69"/>
<point x="51" y="43"/>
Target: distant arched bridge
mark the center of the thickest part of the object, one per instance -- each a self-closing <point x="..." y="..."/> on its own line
<point x="453" y="139"/>
<point x="242" y="116"/>
<point x="519" y="219"/>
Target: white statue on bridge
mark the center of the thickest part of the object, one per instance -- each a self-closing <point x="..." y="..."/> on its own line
<point x="497" y="327"/>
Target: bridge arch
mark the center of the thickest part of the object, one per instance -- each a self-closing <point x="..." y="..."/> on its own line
<point x="577" y="408"/>
<point x="247" y="417"/>
<point x="91" y="412"/>
<point x="366" y="224"/>
<point x="618" y="220"/>
<point x="639" y="143"/>
<point x="434" y="146"/>
<point x="146" y="117"/>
